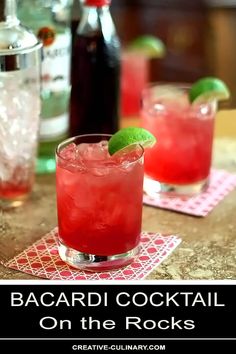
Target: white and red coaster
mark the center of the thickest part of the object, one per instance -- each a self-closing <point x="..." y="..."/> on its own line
<point x="221" y="184"/>
<point x="42" y="260"/>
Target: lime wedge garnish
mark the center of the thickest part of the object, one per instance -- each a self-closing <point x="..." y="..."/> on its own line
<point x="209" y="88"/>
<point x="148" y="45"/>
<point x="129" y="136"/>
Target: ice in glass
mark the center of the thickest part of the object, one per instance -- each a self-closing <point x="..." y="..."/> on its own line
<point x="99" y="202"/>
<point x="180" y="161"/>
<point x="19" y="125"/>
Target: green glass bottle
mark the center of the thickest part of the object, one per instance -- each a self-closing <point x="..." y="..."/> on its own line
<point x="50" y="21"/>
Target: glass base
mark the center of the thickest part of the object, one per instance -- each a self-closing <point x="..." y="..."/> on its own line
<point x="156" y="189"/>
<point x="6" y="204"/>
<point x="95" y="263"/>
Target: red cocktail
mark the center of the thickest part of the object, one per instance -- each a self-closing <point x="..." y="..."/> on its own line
<point x="134" y="78"/>
<point x="181" y="159"/>
<point x="99" y="201"/>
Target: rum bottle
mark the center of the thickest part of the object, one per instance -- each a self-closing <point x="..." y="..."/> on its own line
<point x="50" y="21"/>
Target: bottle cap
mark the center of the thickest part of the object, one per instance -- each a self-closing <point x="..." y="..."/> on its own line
<point x="19" y="48"/>
<point x="97" y="3"/>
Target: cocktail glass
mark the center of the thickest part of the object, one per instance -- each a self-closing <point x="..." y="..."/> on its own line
<point x="179" y="164"/>
<point x="99" y="203"/>
<point x="134" y="78"/>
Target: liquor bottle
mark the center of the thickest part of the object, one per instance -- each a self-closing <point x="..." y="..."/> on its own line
<point x="20" y="64"/>
<point x="94" y="104"/>
<point x="50" y="21"/>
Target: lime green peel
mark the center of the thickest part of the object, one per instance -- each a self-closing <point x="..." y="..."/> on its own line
<point x="148" y="45"/>
<point x="209" y="88"/>
<point x="129" y="136"/>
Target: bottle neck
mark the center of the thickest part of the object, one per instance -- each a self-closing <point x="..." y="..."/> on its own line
<point x="8" y="12"/>
<point x="95" y="18"/>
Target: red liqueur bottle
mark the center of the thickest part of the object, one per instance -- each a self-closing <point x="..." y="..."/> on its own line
<point x="94" y="106"/>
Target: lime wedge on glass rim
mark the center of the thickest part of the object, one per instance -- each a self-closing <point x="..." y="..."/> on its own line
<point x="208" y="88"/>
<point x="130" y="136"/>
<point x="148" y="45"/>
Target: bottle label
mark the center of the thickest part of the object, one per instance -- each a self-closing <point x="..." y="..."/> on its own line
<point x="52" y="128"/>
<point x="56" y="61"/>
<point x="55" y="82"/>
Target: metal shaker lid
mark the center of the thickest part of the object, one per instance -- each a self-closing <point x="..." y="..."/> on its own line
<point x="19" y="48"/>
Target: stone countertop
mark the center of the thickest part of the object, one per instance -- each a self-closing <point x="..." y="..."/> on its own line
<point x="207" y="251"/>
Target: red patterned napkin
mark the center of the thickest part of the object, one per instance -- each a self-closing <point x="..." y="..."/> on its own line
<point x="42" y="259"/>
<point x="221" y="183"/>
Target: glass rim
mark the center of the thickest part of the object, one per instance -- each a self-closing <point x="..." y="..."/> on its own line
<point x="181" y="85"/>
<point x="126" y="53"/>
<point x="73" y="138"/>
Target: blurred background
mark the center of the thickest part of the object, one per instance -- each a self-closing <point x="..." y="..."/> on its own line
<point x="199" y="36"/>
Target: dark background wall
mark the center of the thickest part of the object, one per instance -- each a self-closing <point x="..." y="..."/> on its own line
<point x="199" y="36"/>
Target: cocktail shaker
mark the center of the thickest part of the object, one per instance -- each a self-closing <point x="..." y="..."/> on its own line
<point x="20" y="65"/>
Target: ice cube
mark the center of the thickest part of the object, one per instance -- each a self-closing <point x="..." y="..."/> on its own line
<point x="69" y="152"/>
<point x="72" y="160"/>
<point x="167" y="95"/>
<point x="123" y="158"/>
<point x="100" y="171"/>
<point x="19" y="117"/>
<point x="103" y="144"/>
<point x="93" y="152"/>
<point x="204" y="110"/>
